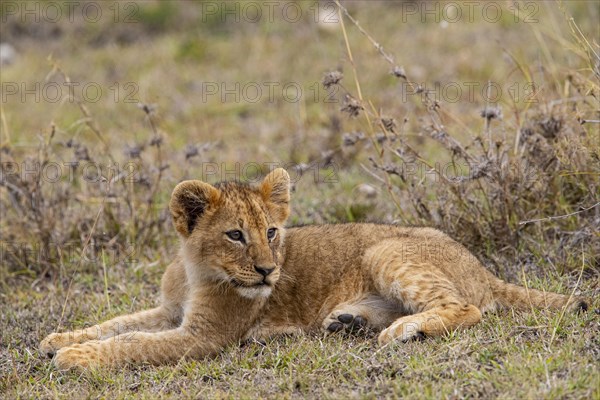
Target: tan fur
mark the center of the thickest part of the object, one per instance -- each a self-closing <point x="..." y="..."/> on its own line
<point x="404" y="282"/>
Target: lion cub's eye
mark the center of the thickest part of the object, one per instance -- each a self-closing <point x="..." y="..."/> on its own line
<point x="271" y="232"/>
<point x="236" y="235"/>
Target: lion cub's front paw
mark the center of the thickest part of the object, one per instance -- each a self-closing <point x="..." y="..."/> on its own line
<point x="54" y="342"/>
<point x="336" y="322"/>
<point x="78" y="356"/>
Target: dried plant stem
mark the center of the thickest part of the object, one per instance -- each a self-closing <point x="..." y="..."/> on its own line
<point x="159" y="176"/>
<point x="562" y="312"/>
<point x="413" y="85"/>
<point x="132" y="205"/>
<point x="105" y="275"/>
<point x="379" y="47"/>
<point x="528" y="78"/>
<point x="4" y="128"/>
<point x="559" y="216"/>
<point x="81" y="258"/>
<point x="89" y="120"/>
<point x="380" y="151"/>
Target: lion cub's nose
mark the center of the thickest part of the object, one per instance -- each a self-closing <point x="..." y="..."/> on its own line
<point x="263" y="270"/>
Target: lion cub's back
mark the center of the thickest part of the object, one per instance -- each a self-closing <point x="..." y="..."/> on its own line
<point x="322" y="255"/>
<point x="328" y="252"/>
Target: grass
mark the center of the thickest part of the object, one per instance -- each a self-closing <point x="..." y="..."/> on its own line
<point x="93" y="250"/>
<point x="507" y="356"/>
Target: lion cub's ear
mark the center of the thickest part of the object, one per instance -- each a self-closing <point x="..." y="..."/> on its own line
<point x="275" y="191"/>
<point x="191" y="199"/>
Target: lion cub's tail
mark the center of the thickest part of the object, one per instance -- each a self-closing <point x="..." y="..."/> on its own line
<point x="519" y="297"/>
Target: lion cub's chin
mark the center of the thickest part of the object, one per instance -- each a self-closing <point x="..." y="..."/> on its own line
<point x="255" y="292"/>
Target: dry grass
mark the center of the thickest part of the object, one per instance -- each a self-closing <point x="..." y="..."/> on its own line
<point x="386" y="139"/>
<point x="492" y="192"/>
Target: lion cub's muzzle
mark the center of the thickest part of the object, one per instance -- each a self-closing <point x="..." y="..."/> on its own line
<point x="260" y="287"/>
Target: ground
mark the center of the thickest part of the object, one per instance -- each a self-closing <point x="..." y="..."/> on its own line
<point x="163" y="91"/>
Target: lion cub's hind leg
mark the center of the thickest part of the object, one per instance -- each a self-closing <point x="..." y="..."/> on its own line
<point x="433" y="302"/>
<point x="371" y="312"/>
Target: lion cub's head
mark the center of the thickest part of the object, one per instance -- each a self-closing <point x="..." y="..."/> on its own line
<point x="233" y="232"/>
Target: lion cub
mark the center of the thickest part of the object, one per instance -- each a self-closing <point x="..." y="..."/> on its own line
<point x="240" y="274"/>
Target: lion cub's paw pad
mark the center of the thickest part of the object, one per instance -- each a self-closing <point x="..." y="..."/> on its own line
<point x="347" y="322"/>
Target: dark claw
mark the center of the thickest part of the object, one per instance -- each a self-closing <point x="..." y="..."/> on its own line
<point x="346" y="318"/>
<point x="335" y="327"/>
<point x="358" y="323"/>
<point x="420" y="336"/>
